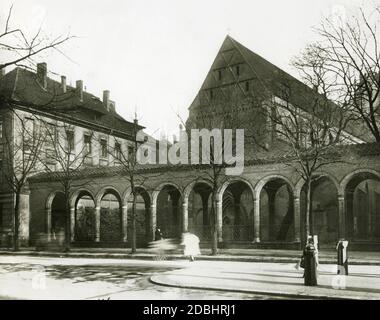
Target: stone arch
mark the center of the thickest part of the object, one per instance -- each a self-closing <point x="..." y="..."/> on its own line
<point x="85" y="229"/>
<point x="275" y="197"/>
<point x="50" y="198"/>
<point x="299" y="185"/>
<point x="55" y="214"/>
<point x="190" y="186"/>
<point x="348" y="177"/>
<point x="103" y="191"/>
<point x="167" y="202"/>
<point x="143" y="214"/>
<point x="235" y="205"/>
<point x="225" y="185"/>
<point x="324" y="215"/>
<point x="74" y="195"/>
<point x="110" y="215"/>
<point x="196" y="200"/>
<point x="141" y="189"/>
<point x="159" y="188"/>
<point x="362" y="205"/>
<point x="263" y="181"/>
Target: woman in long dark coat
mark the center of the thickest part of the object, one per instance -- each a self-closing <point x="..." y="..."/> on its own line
<point x="310" y="264"/>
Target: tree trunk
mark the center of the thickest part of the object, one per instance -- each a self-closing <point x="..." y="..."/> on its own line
<point x="68" y="225"/>
<point x="214" y="234"/>
<point x="288" y="219"/>
<point x="16" y="240"/>
<point x="133" y="244"/>
<point x="308" y="209"/>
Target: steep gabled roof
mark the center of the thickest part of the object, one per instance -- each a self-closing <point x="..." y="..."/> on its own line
<point x="268" y="79"/>
<point x="268" y="76"/>
<point x="21" y="87"/>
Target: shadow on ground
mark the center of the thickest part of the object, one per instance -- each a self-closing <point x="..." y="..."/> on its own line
<point x="83" y="273"/>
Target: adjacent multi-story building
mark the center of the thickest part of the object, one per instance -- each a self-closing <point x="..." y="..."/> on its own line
<point x="65" y="125"/>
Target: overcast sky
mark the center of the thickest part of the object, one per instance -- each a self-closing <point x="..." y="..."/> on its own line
<point x="153" y="55"/>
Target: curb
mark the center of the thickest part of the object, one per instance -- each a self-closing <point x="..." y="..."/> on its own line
<point x="258" y="292"/>
<point x="142" y="256"/>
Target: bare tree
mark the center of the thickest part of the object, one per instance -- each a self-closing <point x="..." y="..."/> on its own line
<point x="308" y="122"/>
<point x="20" y="49"/>
<point x="127" y="157"/>
<point x="351" y="55"/>
<point x="23" y="49"/>
<point x="23" y="144"/>
<point x="224" y="108"/>
<point x="64" y="157"/>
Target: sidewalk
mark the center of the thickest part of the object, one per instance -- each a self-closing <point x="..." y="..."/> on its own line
<point x="283" y="280"/>
<point x="243" y="255"/>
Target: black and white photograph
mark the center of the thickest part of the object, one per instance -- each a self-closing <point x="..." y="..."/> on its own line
<point x="164" y="152"/>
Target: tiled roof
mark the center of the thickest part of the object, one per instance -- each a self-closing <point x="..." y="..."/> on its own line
<point x="21" y="87"/>
<point x="270" y="80"/>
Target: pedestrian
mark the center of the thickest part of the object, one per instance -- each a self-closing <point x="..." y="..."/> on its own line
<point x="191" y="245"/>
<point x="158" y="234"/>
<point x="310" y="264"/>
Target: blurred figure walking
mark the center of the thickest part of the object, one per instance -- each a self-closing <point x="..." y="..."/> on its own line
<point x="191" y="245"/>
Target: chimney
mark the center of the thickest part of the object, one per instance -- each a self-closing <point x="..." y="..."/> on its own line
<point x="79" y="87"/>
<point x="42" y="74"/>
<point x="63" y="83"/>
<point x="106" y="99"/>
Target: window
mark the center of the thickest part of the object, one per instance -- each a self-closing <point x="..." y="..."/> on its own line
<point x="219" y="74"/>
<point x="247" y="86"/>
<point x="211" y="94"/>
<point x="238" y="70"/>
<point x="29" y="126"/>
<point x="117" y="150"/>
<point x="70" y="140"/>
<point x="50" y="156"/>
<point x="51" y="134"/>
<point x="103" y="148"/>
<point x="87" y="144"/>
<point x="28" y="134"/>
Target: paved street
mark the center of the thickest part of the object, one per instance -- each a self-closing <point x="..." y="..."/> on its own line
<point x="23" y="277"/>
